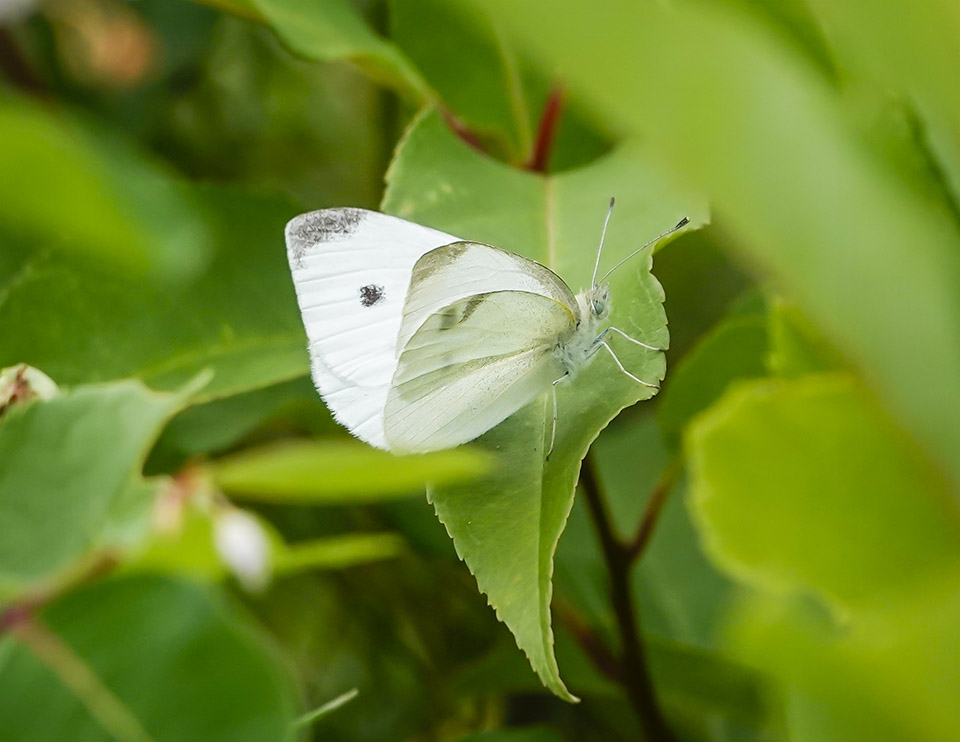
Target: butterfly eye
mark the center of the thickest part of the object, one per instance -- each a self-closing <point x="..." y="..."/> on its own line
<point x="599" y="307"/>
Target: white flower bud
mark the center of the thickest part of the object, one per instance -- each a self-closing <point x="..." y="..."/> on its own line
<point x="244" y="548"/>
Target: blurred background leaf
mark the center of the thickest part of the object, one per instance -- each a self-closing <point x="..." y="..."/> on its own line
<point x="81" y="324"/>
<point x="143" y="658"/>
<point x="64" y="464"/>
<point x="101" y="198"/>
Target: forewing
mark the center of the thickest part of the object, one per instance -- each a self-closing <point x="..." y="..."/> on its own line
<point x="463" y="269"/>
<point x="471" y="365"/>
<point x="351" y="269"/>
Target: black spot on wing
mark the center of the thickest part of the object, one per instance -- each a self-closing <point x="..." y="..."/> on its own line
<point x="370" y="295"/>
<point x="317" y="227"/>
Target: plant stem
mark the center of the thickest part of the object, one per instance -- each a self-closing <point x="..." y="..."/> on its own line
<point x="651" y="514"/>
<point x="461" y="130"/>
<point x="634" y="673"/>
<point x="546" y="132"/>
<point x="15" y="68"/>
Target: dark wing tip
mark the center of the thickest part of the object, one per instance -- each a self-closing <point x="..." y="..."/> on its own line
<point x="317" y="227"/>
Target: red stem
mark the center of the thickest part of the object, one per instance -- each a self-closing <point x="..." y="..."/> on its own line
<point x="546" y="133"/>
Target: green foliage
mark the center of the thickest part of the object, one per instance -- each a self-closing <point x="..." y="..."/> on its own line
<point x="191" y="548"/>
<point x="80" y="324"/>
<point x="879" y="523"/>
<point x="336" y="473"/>
<point x="143" y="658"/>
<point x="438" y="181"/>
<point x="768" y="136"/>
<point x="64" y="465"/>
<point x="99" y="197"/>
<point x="334" y="30"/>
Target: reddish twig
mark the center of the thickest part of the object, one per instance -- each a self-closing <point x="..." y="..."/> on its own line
<point x="603" y="659"/>
<point x="546" y="133"/>
<point x="636" y="677"/>
<point x="651" y="514"/>
<point x="461" y="130"/>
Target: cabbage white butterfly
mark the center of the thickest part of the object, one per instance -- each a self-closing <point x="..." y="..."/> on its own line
<point x="421" y="341"/>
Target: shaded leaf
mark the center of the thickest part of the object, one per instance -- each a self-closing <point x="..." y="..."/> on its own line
<point x="144" y="658"/>
<point x="240" y="319"/>
<point x="69" y="187"/>
<point x="332" y="31"/>
<point x="223" y="423"/>
<point x="468" y="62"/>
<point x="735" y="349"/>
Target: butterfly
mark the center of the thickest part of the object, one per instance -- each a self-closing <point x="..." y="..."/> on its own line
<point x="421" y="341"/>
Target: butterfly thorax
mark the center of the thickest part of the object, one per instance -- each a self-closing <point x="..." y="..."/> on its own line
<point x="593" y="307"/>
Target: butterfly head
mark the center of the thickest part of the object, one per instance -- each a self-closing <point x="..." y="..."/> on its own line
<point x="598" y="301"/>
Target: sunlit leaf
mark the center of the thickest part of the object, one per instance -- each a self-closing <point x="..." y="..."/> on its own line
<point x="339" y="471"/>
<point x="805" y="486"/>
<point x="506" y="526"/>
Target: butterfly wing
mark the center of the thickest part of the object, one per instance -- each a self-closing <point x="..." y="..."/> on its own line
<point x="463" y="269"/>
<point x="472" y="364"/>
<point x="351" y="270"/>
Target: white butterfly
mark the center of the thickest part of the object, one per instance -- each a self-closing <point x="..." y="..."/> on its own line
<point x="421" y="341"/>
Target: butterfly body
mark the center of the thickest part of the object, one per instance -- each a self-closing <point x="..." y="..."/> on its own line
<point x="420" y="341"/>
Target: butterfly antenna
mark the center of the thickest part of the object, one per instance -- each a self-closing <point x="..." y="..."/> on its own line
<point x="682" y="223"/>
<point x="593" y="281"/>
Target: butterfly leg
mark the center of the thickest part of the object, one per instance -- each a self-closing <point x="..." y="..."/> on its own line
<point x="620" y="366"/>
<point x="553" y="430"/>
<point x="631" y="339"/>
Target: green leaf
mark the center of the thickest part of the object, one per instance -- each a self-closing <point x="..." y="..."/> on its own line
<point x="140" y="659"/>
<point x="337" y="552"/>
<point x="910" y="47"/>
<point x="808" y="201"/>
<point x="338" y="472"/>
<point x="889" y="673"/>
<point x="470" y="65"/>
<point x="68" y="186"/>
<point x="333" y="31"/>
<point x="805" y="486"/>
<point x="240" y="318"/>
<point x="221" y="424"/>
<point x="506" y="526"/>
<point x="735" y="349"/>
<point x="65" y="463"/>
<point x="796" y="347"/>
